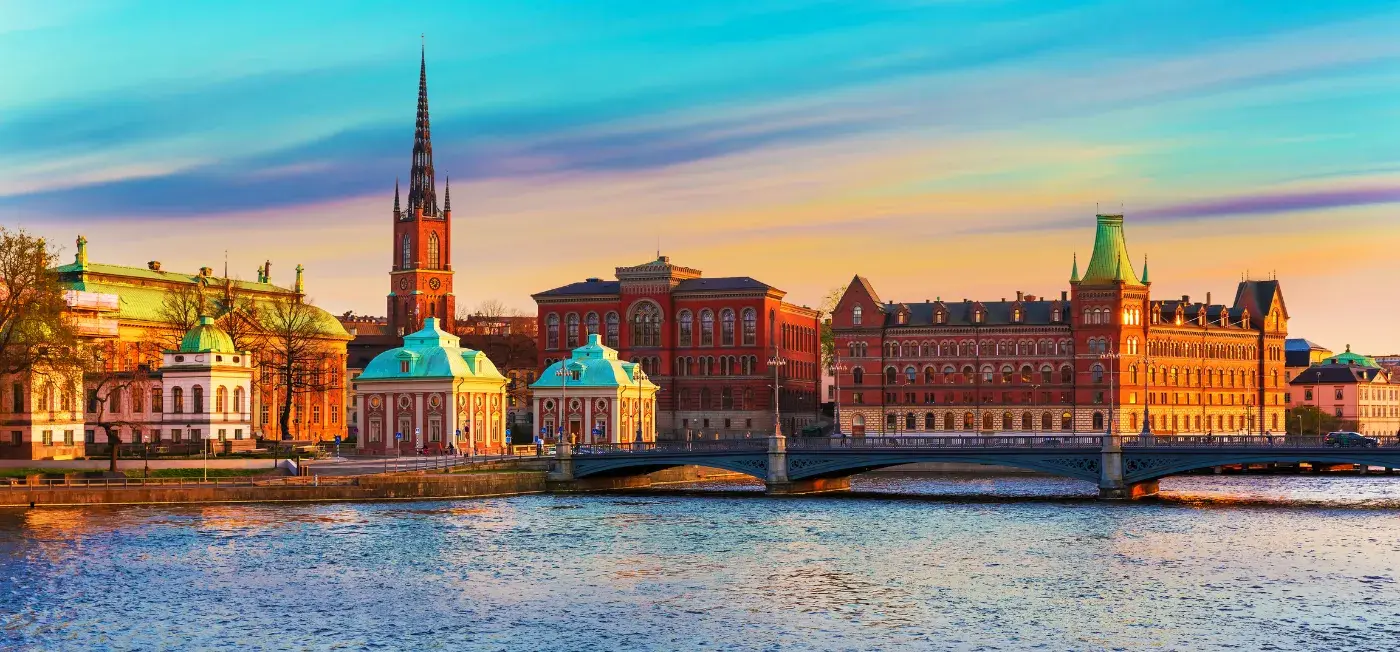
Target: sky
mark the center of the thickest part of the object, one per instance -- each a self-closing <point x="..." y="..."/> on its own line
<point x="940" y="148"/>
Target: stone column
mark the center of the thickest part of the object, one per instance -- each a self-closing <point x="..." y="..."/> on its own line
<point x="777" y="460"/>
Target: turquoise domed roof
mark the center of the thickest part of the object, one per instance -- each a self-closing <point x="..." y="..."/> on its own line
<point x="430" y="353"/>
<point x="206" y="337"/>
<point x="594" y="365"/>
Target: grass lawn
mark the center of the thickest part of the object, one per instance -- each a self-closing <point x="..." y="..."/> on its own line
<point x="198" y="473"/>
<point x="25" y="472"/>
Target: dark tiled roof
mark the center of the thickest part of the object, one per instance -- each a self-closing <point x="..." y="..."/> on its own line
<point x="1297" y="358"/>
<point x="1300" y="344"/>
<point x="1337" y="374"/>
<point x="869" y="289"/>
<point x="724" y="283"/>
<point x="583" y="288"/>
<point x="1258" y="296"/>
<point x="960" y="313"/>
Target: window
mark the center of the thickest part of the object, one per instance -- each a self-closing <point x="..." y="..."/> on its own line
<point x="750" y="327"/>
<point x="686" y="328"/>
<point x="17" y="397"/>
<point x="591" y="324"/>
<point x="890" y="376"/>
<point x="405" y="253"/>
<point x="610" y="336"/>
<point x="726" y="327"/>
<point x="857" y="376"/>
<point x="1338" y="394"/>
<point x="404" y="366"/>
<point x="551" y="331"/>
<point x="221" y="400"/>
<point x="433" y="249"/>
<point x="855" y="316"/>
<point x="646" y="324"/>
<point x="857" y="398"/>
<point x="67" y="437"/>
<point x="1098" y="421"/>
<point x="1066" y="374"/>
<point x="197" y="394"/>
<point x="707" y="328"/>
<point x="316" y="414"/>
<point x="46" y="438"/>
<point x="177" y="400"/>
<point x="572" y="332"/>
<point x="157" y="401"/>
<point x="238" y="399"/>
<point x="911" y="375"/>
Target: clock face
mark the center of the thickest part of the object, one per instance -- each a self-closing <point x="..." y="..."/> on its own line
<point x="403" y="283"/>
<point x="434" y="283"/>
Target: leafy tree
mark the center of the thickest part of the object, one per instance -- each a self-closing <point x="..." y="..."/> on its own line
<point x="828" y="337"/>
<point x="1315" y="422"/>
<point x="35" y="332"/>
<point x="112" y="384"/>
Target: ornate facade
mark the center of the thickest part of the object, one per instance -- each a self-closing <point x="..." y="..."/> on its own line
<point x="595" y="398"/>
<point x="1103" y="354"/>
<point x="705" y="341"/>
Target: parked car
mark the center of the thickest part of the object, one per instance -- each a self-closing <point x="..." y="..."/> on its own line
<point x="1345" y="439"/>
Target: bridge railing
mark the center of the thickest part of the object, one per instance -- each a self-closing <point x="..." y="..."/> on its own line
<point x="936" y="442"/>
<point x="722" y="445"/>
<point x="1245" y="441"/>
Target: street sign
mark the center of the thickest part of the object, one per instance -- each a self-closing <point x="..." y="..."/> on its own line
<point x="337" y="439"/>
<point x="398" y="436"/>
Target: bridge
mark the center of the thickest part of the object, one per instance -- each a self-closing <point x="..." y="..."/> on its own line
<point x="1123" y="467"/>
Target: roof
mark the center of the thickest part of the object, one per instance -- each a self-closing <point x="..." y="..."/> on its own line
<point x="1297" y="358"/>
<point x="864" y="283"/>
<point x="430" y="353"/>
<point x="1349" y="358"/>
<point x="206" y="337"/>
<point x="960" y="313"/>
<point x="595" y="366"/>
<point x="1259" y="296"/>
<point x="1339" y="374"/>
<point x="591" y="286"/>
<point x="718" y="284"/>
<point x="1301" y="344"/>
<point x="1110" y="262"/>
<point x="144" y="302"/>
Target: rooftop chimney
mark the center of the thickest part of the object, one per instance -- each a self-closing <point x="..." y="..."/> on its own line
<point x="1020" y="296"/>
<point x="1186" y="298"/>
<point x="153" y="265"/>
<point x="1207" y="298"/>
<point x="1064" y="295"/>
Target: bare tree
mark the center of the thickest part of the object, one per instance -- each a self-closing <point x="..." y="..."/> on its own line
<point x="180" y="310"/>
<point x="828" y="337"/>
<point x="113" y="380"/>
<point x="294" y="353"/>
<point x="491" y="309"/>
<point x="35" y="332"/>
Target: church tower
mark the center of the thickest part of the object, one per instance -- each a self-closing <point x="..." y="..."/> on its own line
<point x="1109" y="309"/>
<point x="420" y="275"/>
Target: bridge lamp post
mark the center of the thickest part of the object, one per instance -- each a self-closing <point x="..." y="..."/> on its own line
<point x="776" y="363"/>
<point x="836" y="369"/>
<point x="564" y="374"/>
<point x="1111" y="357"/>
<point x="1035" y="418"/>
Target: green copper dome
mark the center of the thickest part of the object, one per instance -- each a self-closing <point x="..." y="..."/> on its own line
<point x="594" y="365"/>
<point x="430" y="353"/>
<point x="206" y="337"/>
<point x="1110" y="262"/>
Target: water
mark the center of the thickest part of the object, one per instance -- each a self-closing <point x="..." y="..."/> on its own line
<point x="1279" y="563"/>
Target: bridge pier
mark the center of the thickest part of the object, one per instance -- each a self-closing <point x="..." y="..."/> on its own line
<point x="1111" y="483"/>
<point x="778" y="483"/>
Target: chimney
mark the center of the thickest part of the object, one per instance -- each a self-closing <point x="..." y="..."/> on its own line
<point x="1207" y="298"/>
<point x="1032" y="297"/>
<point x="1020" y="296"/>
<point x="153" y="265"/>
<point x="1186" y="298"/>
<point x="1064" y="295"/>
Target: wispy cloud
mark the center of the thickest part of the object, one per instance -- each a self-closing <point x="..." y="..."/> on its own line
<point x="1276" y="202"/>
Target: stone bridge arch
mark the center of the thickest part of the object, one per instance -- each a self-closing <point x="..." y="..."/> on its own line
<point x="1078" y="464"/>
<point x="751" y="464"/>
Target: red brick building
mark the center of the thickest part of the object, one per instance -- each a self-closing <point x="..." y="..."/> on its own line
<point x="705" y="341"/>
<point x="1103" y="352"/>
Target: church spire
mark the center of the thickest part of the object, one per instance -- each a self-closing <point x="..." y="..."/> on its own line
<point x="447" y="196"/>
<point x="422" y="191"/>
<point x="1074" y="273"/>
<point x="1145" y="280"/>
<point x="396" y="197"/>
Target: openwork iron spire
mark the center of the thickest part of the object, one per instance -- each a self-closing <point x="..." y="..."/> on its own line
<point x="447" y="195"/>
<point x="422" y="192"/>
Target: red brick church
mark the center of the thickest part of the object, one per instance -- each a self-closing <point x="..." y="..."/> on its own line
<point x="1103" y="353"/>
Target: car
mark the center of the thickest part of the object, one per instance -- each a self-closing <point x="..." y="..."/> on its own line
<point x="1344" y="439"/>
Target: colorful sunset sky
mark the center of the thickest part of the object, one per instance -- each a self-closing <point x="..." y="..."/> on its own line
<point x="941" y="148"/>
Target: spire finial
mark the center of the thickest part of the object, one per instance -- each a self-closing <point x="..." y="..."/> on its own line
<point x="1074" y="273"/>
<point x="447" y="195"/>
<point x="81" y="257"/>
<point x="422" y="192"/>
<point x="1145" y="279"/>
<point x="396" y="196"/>
<point x="299" y="288"/>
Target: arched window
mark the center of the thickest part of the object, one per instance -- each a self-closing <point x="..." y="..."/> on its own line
<point x="890" y="376"/>
<point x="930" y="422"/>
<point x="968" y="422"/>
<point x="611" y="337"/>
<point x="1066" y="421"/>
<point x="572" y="329"/>
<point x="177" y="398"/>
<point x="911" y="374"/>
<point x="238" y="399"/>
<point x="1047" y="422"/>
<point x="726" y="399"/>
<point x="726" y="327"/>
<point x="928" y="375"/>
<point x="705" y="398"/>
<point x="591" y="324"/>
<point x="1098" y="421"/>
<point x="434" y="260"/>
<point x="988" y="421"/>
<point x="646" y="324"/>
<point x="855" y="316"/>
<point x="948" y="422"/>
<point x="910" y="422"/>
<point x="857" y="376"/>
<point x="1026" y="373"/>
<point x="892" y="421"/>
<point x="1134" y="371"/>
<point x="221" y="400"/>
<point x="1066" y="374"/>
<point x="197" y="394"/>
<point x="1007" y="421"/>
<point x="551" y="331"/>
<point x="407" y="252"/>
<point x="1096" y="372"/>
<point x="1006" y="373"/>
<point x="858" y="425"/>
<point x="1027" y="421"/>
<point x="685" y="328"/>
<point x="748" y="403"/>
<point x="707" y="328"/>
<point x="750" y="318"/>
<point x="1047" y="374"/>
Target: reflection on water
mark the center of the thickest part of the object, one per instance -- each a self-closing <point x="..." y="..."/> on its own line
<point x="1255" y="562"/>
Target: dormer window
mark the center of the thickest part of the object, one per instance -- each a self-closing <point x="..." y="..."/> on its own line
<point x="1016" y="315"/>
<point x="940" y="317"/>
<point x="403" y="366"/>
<point x="901" y="318"/>
<point x="1055" y="315"/>
<point x="977" y="316"/>
<point x="855" y="316"/>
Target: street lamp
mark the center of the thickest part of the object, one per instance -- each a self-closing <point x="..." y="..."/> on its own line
<point x="564" y="375"/>
<point x="776" y="363"/>
<point x="1035" y="418"/>
<point x="836" y="369"/>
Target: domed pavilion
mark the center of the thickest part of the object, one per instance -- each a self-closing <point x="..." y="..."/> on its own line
<point x="432" y="393"/>
<point x="600" y="398"/>
<point x="207" y="388"/>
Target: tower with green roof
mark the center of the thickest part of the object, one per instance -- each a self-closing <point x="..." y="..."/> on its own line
<point x="1109" y="307"/>
<point x="206" y="387"/>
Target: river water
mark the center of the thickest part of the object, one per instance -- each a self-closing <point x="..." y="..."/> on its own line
<point x="1020" y="562"/>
